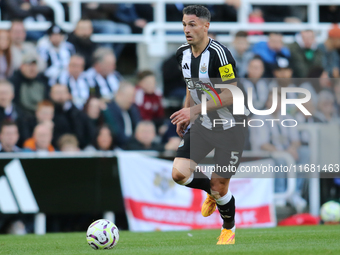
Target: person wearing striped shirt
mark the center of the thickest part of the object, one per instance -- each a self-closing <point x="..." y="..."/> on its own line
<point x="205" y="63"/>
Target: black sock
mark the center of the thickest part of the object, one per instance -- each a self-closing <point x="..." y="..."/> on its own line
<point x="227" y="213"/>
<point x="200" y="181"/>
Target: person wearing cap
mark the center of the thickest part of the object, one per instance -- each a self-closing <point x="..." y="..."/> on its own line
<point x="29" y="85"/>
<point x="56" y="52"/>
<point x="330" y="56"/>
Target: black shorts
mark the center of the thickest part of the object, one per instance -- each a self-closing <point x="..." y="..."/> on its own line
<point x="199" y="141"/>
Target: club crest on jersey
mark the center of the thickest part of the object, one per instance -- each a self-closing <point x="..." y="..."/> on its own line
<point x="204" y="68"/>
<point x="227" y="72"/>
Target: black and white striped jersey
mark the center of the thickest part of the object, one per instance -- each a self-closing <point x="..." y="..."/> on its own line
<point x="79" y="88"/>
<point x="215" y="65"/>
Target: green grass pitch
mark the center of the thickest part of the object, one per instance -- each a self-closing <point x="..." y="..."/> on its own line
<point x="280" y="240"/>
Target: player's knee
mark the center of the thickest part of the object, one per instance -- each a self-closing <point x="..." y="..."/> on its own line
<point x="177" y="176"/>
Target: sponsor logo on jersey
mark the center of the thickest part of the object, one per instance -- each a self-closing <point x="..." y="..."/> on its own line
<point x="227" y="72"/>
<point x="204" y="69"/>
<point x="186" y="66"/>
<point x="204" y="86"/>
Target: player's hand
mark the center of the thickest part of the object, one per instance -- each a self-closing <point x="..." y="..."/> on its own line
<point x="181" y="116"/>
<point x="180" y="128"/>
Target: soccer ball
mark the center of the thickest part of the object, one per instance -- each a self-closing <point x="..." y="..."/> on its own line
<point x="330" y="212"/>
<point x="102" y="235"/>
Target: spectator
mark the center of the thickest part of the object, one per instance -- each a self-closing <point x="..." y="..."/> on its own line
<point x="326" y="110"/>
<point x="29" y="10"/>
<point x="127" y="14"/>
<point x="228" y="11"/>
<point x="68" y="119"/>
<point x="329" y="13"/>
<point x="6" y="67"/>
<point x="305" y="54"/>
<point x="255" y="81"/>
<point x="56" y="52"/>
<point x="241" y="53"/>
<point x="75" y="79"/>
<point x="93" y="108"/>
<point x="144" y="138"/>
<point x="43" y="114"/>
<point x="30" y="87"/>
<point x="103" y="78"/>
<point x="41" y="140"/>
<point x="173" y="82"/>
<point x="104" y="140"/>
<point x="9" y="136"/>
<point x="81" y="39"/>
<point x="122" y="115"/>
<point x="337" y="96"/>
<point x="275" y="137"/>
<point x="330" y="59"/>
<point x="68" y="143"/>
<point x="8" y="109"/>
<point x="269" y="51"/>
<point x="20" y="47"/>
<point x="281" y="13"/>
<point x="101" y="15"/>
<point x="149" y="99"/>
<point x="317" y="80"/>
<point x="174" y="12"/>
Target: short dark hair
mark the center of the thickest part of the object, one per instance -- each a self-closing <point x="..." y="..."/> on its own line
<point x="141" y="75"/>
<point x="199" y="10"/>
<point x="7" y="123"/>
<point x="241" y="34"/>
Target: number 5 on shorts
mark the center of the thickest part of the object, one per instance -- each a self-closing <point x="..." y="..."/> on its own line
<point x="234" y="158"/>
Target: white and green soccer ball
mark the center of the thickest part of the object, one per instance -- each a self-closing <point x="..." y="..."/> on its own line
<point x="330" y="212"/>
<point x="102" y="235"/>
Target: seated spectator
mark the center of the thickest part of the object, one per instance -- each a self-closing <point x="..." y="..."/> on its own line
<point x="8" y="109"/>
<point x="20" y="47"/>
<point x="272" y="136"/>
<point x="68" y="143"/>
<point x="81" y="40"/>
<point x="56" y="52"/>
<point x="305" y="54"/>
<point x="330" y="56"/>
<point x="9" y="136"/>
<point x="41" y="140"/>
<point x="30" y="87"/>
<point x="173" y="82"/>
<point x="101" y="15"/>
<point x="122" y="115"/>
<point x="241" y="53"/>
<point x="93" y="108"/>
<point x="227" y="12"/>
<point x="43" y="114"/>
<point x="282" y="13"/>
<point x="104" y="140"/>
<point x="29" y="10"/>
<point x="149" y="99"/>
<point x="269" y="51"/>
<point x="68" y="119"/>
<point x="75" y="79"/>
<point x="329" y="13"/>
<point x="144" y="138"/>
<point x="6" y="67"/>
<point x="103" y="78"/>
<point x="126" y="13"/>
<point x="326" y="110"/>
<point x="255" y="81"/>
<point x="317" y="80"/>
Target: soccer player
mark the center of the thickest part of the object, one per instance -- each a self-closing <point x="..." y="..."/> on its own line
<point x="206" y="62"/>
